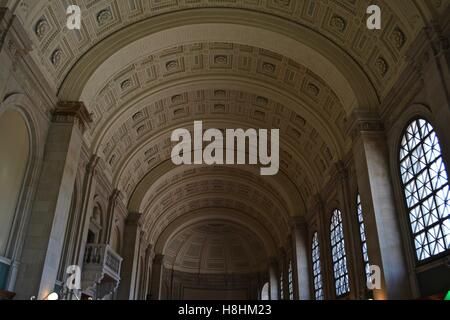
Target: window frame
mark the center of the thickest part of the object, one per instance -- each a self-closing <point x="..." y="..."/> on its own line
<point x="343" y="258"/>
<point x="316" y="245"/>
<point x="361" y="223"/>
<point x="407" y="210"/>
<point x="281" y="279"/>
<point x="290" y="280"/>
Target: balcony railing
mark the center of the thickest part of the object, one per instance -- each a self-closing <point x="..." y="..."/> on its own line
<point x="102" y="258"/>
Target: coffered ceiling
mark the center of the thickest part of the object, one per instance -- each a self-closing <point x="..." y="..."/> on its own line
<point x="216" y="247"/>
<point x="146" y="67"/>
<point x="341" y="22"/>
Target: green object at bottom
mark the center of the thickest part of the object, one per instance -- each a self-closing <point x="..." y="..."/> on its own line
<point x="447" y="297"/>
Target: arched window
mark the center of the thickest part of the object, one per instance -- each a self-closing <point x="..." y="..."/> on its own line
<point x="426" y="189"/>
<point x="338" y="254"/>
<point x="265" y="292"/>
<point x="290" y="281"/>
<point x="362" y="235"/>
<point x="316" y="268"/>
<point x="282" y="285"/>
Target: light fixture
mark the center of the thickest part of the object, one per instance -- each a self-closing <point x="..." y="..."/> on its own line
<point x="52" y="296"/>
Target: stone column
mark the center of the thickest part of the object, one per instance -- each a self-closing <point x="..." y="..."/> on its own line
<point x="130" y="255"/>
<point x="378" y="203"/>
<point x="112" y="203"/>
<point x="157" y="273"/>
<point x="44" y="239"/>
<point x="273" y="280"/>
<point x="324" y="245"/>
<point x="84" y="217"/>
<point x="139" y="271"/>
<point x="283" y="265"/>
<point x="301" y="263"/>
<point x="146" y="275"/>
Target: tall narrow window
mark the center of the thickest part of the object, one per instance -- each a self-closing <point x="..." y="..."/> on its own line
<point x="339" y="257"/>
<point x="265" y="292"/>
<point x="290" y="282"/>
<point x="316" y="268"/>
<point x="362" y="235"/>
<point x="426" y="189"/>
<point x="281" y="285"/>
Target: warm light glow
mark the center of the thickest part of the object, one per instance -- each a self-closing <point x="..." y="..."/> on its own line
<point x="52" y="296"/>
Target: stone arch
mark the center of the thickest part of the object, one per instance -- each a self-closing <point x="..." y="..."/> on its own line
<point x="184" y="27"/>
<point x="14" y="159"/>
<point x="200" y="216"/>
<point x="22" y="107"/>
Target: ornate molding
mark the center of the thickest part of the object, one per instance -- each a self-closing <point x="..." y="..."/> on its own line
<point x="362" y="121"/>
<point x="338" y="171"/>
<point x="134" y="219"/>
<point x="299" y="223"/>
<point x="72" y="112"/>
<point x="439" y="42"/>
<point x="114" y="197"/>
<point x="158" y="259"/>
<point x="13" y="35"/>
<point x="5" y="18"/>
<point x="315" y="205"/>
<point x="92" y="165"/>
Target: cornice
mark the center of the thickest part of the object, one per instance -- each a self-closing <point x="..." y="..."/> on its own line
<point x="72" y="112"/>
<point x="364" y="122"/>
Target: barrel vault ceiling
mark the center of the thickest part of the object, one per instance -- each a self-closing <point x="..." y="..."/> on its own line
<point x="146" y="67"/>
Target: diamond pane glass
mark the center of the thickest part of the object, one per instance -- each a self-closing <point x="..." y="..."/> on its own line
<point x="317" y="272"/>
<point x="426" y="189"/>
<point x="338" y="255"/>
<point x="362" y="234"/>
<point x="282" y="285"/>
<point x="291" y="282"/>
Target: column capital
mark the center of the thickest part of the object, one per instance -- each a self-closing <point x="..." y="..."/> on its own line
<point x="149" y="250"/>
<point x="115" y="195"/>
<point x="133" y="218"/>
<point x="315" y="203"/>
<point x="338" y="171"/>
<point x="273" y="261"/>
<point x="158" y="259"/>
<point x="439" y="40"/>
<point x="92" y="164"/>
<point x="72" y="112"/>
<point x="298" y="222"/>
<point x="364" y="121"/>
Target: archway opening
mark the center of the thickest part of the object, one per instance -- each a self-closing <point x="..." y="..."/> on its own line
<point x="15" y="146"/>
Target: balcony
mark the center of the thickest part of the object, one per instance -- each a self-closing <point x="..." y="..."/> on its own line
<point x="101" y="270"/>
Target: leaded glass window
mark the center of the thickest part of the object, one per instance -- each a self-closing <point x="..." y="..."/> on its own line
<point x="282" y="285"/>
<point x="426" y="189"/>
<point x="340" y="269"/>
<point x="290" y="282"/>
<point x="362" y="235"/>
<point x="265" y="292"/>
<point x="316" y="268"/>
